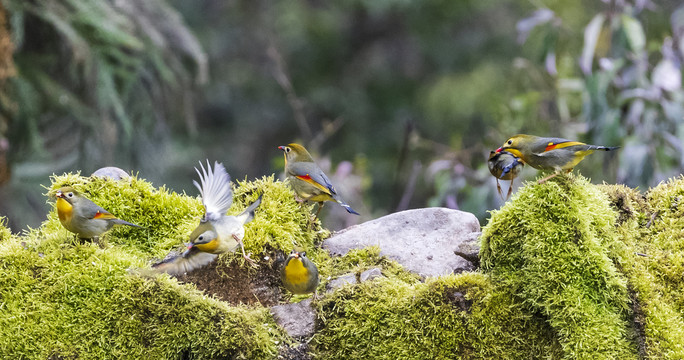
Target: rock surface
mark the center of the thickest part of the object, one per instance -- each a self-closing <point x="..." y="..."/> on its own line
<point x="297" y="318"/>
<point x="421" y="240"/>
<point x="112" y="172"/>
<point x="367" y="275"/>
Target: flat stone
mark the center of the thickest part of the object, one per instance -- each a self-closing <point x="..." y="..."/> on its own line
<point x="421" y="240"/>
<point x="370" y="274"/>
<point x="340" y="281"/>
<point x="298" y="319"/>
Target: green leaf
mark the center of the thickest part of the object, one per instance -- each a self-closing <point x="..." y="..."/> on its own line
<point x="591" y="35"/>
<point x="634" y="32"/>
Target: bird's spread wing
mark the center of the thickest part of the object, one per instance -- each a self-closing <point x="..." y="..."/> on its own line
<point x="214" y="186"/>
<point x="192" y="259"/>
<point x="315" y="178"/>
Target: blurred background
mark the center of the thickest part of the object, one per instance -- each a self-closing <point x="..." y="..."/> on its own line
<point x="399" y="101"/>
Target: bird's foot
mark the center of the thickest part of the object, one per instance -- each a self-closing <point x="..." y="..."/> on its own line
<point x="541" y="181"/>
<point x="244" y="254"/>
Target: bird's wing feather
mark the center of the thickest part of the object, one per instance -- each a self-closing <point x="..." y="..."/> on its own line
<point x="94" y="211"/>
<point x="557" y="143"/>
<point x="214" y="186"/>
<point x="191" y="259"/>
<point x="313" y="176"/>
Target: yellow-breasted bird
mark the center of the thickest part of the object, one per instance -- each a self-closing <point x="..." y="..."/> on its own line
<point x="82" y="216"/>
<point x="308" y="180"/>
<point x="217" y="232"/>
<point x="505" y="166"/>
<point x="299" y="274"/>
<point x="547" y="153"/>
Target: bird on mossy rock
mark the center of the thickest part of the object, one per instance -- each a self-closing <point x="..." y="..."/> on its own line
<point x="308" y="180"/>
<point x="505" y="166"/>
<point x="82" y="216"/>
<point x="299" y="274"/>
<point x="547" y="153"/>
<point x="217" y="232"/>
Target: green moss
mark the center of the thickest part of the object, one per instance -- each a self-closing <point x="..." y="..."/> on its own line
<point x="658" y="277"/>
<point x="63" y="298"/>
<point x="5" y="232"/>
<point x="457" y="316"/>
<point x="555" y="247"/>
<point x="280" y="221"/>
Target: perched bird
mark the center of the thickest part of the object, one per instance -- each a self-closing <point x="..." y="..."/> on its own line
<point x="217" y="232"/>
<point x="299" y="275"/>
<point x="82" y="216"/>
<point x="545" y="153"/>
<point x="308" y="180"/>
<point x="505" y="166"/>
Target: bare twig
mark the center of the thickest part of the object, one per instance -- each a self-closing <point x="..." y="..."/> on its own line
<point x="280" y="74"/>
<point x="329" y="128"/>
<point x="410" y="186"/>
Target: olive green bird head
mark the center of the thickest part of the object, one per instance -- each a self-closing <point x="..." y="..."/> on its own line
<point x="204" y="237"/>
<point x="295" y="153"/>
<point x="68" y="194"/>
<point x="518" y="144"/>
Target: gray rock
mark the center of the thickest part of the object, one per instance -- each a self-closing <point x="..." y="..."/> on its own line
<point x="370" y="274"/>
<point x="298" y="319"/>
<point x="112" y="172"/>
<point x="342" y="280"/>
<point x="421" y="240"/>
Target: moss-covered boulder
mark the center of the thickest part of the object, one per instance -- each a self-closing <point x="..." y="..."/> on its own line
<point x="555" y="247"/>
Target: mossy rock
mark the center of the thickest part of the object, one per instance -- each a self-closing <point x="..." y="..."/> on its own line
<point x="460" y="316"/>
<point x="63" y="298"/>
<point x="556" y="249"/>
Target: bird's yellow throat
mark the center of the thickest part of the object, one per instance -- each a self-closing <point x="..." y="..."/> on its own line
<point x="295" y="272"/>
<point x="209" y="247"/>
<point x="64" y="209"/>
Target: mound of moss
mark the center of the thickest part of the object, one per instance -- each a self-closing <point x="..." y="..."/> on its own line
<point x="62" y="298"/>
<point x="460" y="316"/>
<point x="555" y="247"/>
<point x="657" y="275"/>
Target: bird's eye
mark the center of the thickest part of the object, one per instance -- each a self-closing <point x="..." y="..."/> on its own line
<point x="287" y="149"/>
<point x="304" y="254"/>
<point x="509" y="142"/>
<point x="200" y="238"/>
<point x="70" y="194"/>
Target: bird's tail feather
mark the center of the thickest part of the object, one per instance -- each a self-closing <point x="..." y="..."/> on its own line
<point x="247" y="215"/>
<point x="124" y="222"/>
<point x="347" y="207"/>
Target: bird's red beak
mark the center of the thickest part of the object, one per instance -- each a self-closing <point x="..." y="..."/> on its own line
<point x="499" y="150"/>
<point x="59" y="194"/>
<point x="281" y="148"/>
<point x="296" y="255"/>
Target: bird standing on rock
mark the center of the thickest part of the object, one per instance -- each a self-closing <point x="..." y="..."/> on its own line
<point x="299" y="274"/>
<point x="308" y="180"/>
<point x="505" y="166"/>
<point x="82" y="216"/>
<point x="217" y="232"/>
<point x="547" y="153"/>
